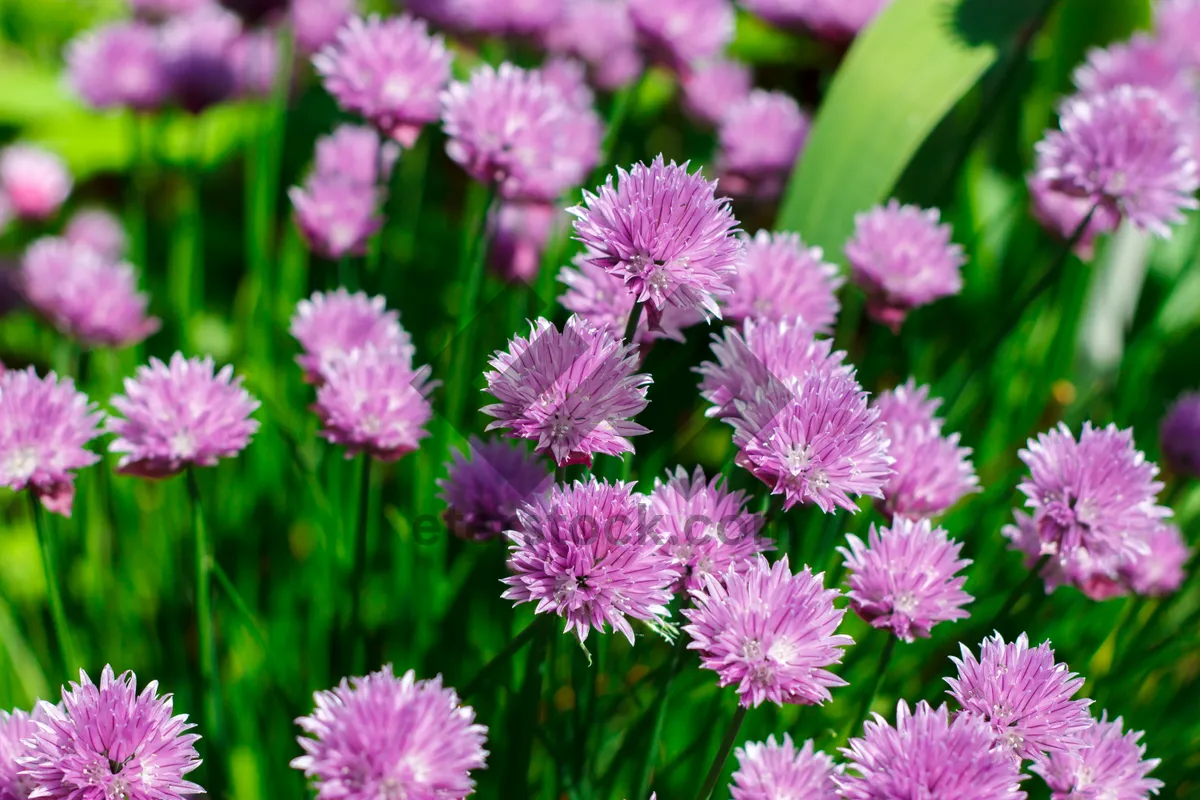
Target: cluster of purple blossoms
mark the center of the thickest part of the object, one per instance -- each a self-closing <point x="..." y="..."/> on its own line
<point x="484" y="488"/>
<point x="780" y="278"/>
<point x="34" y="182"/>
<point x="769" y="632"/>
<point x="330" y="325"/>
<point x="384" y="736"/>
<point x="120" y="65"/>
<point x="903" y="259"/>
<point x="315" y="23"/>
<point x="712" y="88"/>
<point x="770" y="771"/>
<point x="761" y="137"/>
<point x="1179" y="436"/>
<point x="683" y="32"/>
<point x="582" y="551"/>
<point x="1112" y="764"/>
<point x="601" y="34"/>
<point x="574" y="393"/>
<point x="98" y="229"/>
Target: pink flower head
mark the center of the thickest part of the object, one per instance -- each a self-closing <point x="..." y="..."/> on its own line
<point x="178" y="415"/>
<point x="928" y="755"/>
<point x="198" y="50"/>
<point x="780" y="278"/>
<point x="374" y="402"/>
<point x="682" y="32"/>
<point x="712" y="88"/>
<point x="1142" y="61"/>
<point x="45" y="425"/>
<point x="390" y="71"/>
<point x="1160" y="570"/>
<point x="519" y="235"/>
<point x="1024" y="695"/>
<point x="1127" y="151"/>
<point x="771" y="771"/>
<point x="769" y="632"/>
<point x="336" y="217"/>
<point x="902" y="258"/>
<point x="111" y="741"/>
<point x="705" y="526"/>
<point x="331" y="325"/>
<point x="1062" y="213"/>
<point x="761" y="137"/>
<point x="569" y="77"/>
<point x="834" y="20"/>
<point x="351" y="154"/>
<point x="119" y="65"/>
<point x="491" y="17"/>
<point x="583" y="551"/>
<point x="1175" y="26"/>
<point x="574" y="393"/>
<point x="383" y="736"/>
<point x="158" y="10"/>
<point x="1112" y="766"/>
<point x="98" y="229"/>
<point x="256" y="61"/>
<point x="484" y="488"/>
<point x="905" y="578"/>
<point x="15" y="729"/>
<point x="665" y="233"/>
<point x="85" y="295"/>
<point x="316" y="23"/>
<point x="1179" y="436"/>
<point x="35" y="181"/>
<point x="931" y="472"/>
<point x="601" y="33"/>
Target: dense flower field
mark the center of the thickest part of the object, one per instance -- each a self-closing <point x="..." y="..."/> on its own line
<point x="599" y="399"/>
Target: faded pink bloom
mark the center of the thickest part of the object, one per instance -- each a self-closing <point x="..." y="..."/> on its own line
<point x="781" y="278"/>
<point x="712" y="88"/>
<point x="35" y="181"/>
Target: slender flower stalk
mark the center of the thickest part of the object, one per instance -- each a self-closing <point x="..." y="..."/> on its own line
<point x="62" y="628"/>
<point x="210" y="676"/>
<point x="718" y="764"/>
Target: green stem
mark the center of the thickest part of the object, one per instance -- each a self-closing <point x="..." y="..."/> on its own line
<point x="885" y="658"/>
<point x="353" y="628"/>
<point x="136" y="208"/>
<point x="413" y="166"/>
<point x="473" y="255"/>
<point x="1018" y="593"/>
<point x="209" y="675"/>
<point x="660" y="716"/>
<point x="718" y="764"/>
<point x="511" y="649"/>
<point x="635" y="316"/>
<point x="62" y="630"/>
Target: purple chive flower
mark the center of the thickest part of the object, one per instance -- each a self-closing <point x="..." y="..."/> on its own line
<point x="1175" y="26"/>
<point x="601" y="33"/>
<point x="1127" y="151"/>
<point x="1142" y="61"/>
<point x="761" y="137"/>
<point x="256" y="12"/>
<point x="1062" y="214"/>
<point x="179" y="415"/>
<point x="769" y="632"/>
<point x="316" y="23"/>
<point x="15" y="728"/>
<point x="331" y="325"/>
<point x="902" y="258"/>
<point x="119" y="66"/>
<point x="519" y="235"/>
<point x="98" y="229"/>
<point x="574" y="393"/>
<point x="771" y="771"/>
<point x="665" y="233"/>
<point x="383" y="736"/>
<point x="491" y="17"/>
<point x="1179" y="436"/>
<point x="351" y="153"/>
<point x="780" y="278"/>
<point x="931" y="472"/>
<point x="582" y="551"/>
<point x="85" y="295"/>
<point x="45" y="425"/>
<point x="705" y="527"/>
<point x="682" y="32"/>
<point x="110" y="741"/>
<point x="1112" y="766"/>
<point x="256" y="63"/>
<point x="336" y="217"/>
<point x="1024" y="695"/>
<point x="569" y="77"/>
<point x="158" y="10"/>
<point x="390" y="71"/>
<point x="484" y="488"/>
<point x="35" y="181"/>
<point x="1160" y="570"/>
<point x="835" y="20"/>
<point x="198" y="53"/>
<point x="374" y="402"/>
<point x="927" y="754"/>
<point x="712" y="88"/>
<point x="905" y="578"/>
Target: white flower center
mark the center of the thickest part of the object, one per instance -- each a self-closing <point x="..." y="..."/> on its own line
<point x="21" y="464"/>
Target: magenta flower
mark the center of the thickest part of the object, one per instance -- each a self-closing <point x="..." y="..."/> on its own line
<point x="45" y="425"/>
<point x="315" y="23"/>
<point x="905" y="578"/>
<point x="198" y="50"/>
<point x="902" y="258"/>
<point x="583" y="551"/>
<point x="179" y="415"/>
<point x="491" y="17"/>
<point x="780" y="278"/>
<point x="1112" y="766"/>
<point x="569" y="77"/>
<point x="600" y="33"/>
<point x="389" y="71"/>
<point x="98" y="229"/>
<point x="1024" y="695"/>
<point x="351" y="154"/>
<point x="1175" y="26"/>
<point x="256" y="63"/>
<point x="374" y="402"/>
<point x="1142" y="61"/>
<point x="382" y="736"/>
<point x="769" y="632"/>
<point x="110" y="741"/>
<point x="1160" y="570"/>
<point x="665" y="233"/>
<point x="1061" y="214"/>
<point x="770" y="771"/>
<point x="682" y="32"/>
<point x="85" y="295"/>
<point x="573" y="393"/>
<point x="35" y="181"/>
<point x="1179" y="436"/>
<point x="518" y="237"/>
<point x="484" y="488"/>
<point x="712" y="88"/>
<point x="15" y="728"/>
<point x="335" y="216"/>
<point x="119" y="65"/>
<point x="705" y="527"/>
<point x="927" y="755"/>
<point x="761" y="137"/>
<point x="331" y="325"/>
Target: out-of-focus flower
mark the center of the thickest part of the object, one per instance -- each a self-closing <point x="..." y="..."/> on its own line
<point x="491" y="17"/>
<point x="256" y="12"/>
<point x="1142" y="61"/>
<point x="573" y="393"/>
<point x="484" y="488"/>
<point x="178" y="415"/>
<point x="35" y="181"/>
<point x="1159" y="571"/>
<point x="157" y="10"/>
<point x="98" y="229"/>
<point x="600" y="33"/>
<point x="903" y="258"/>
<point x="1127" y="151"/>
<point x="712" y="88"/>
<point x="381" y="736"/>
<point x="582" y="552"/>
<point x="772" y="771"/>
<point x="1062" y="214"/>
<point x="683" y="32"/>
<point x="1175" y="26"/>
<point x="45" y="425"/>
<point x="1024" y="695"/>
<point x="256" y="61"/>
<point x="1179" y="436"/>
<point x="85" y="295"/>
<point x="780" y="278"/>
<point x="928" y="755"/>
<point x="15" y="728"/>
<point x="519" y="235"/>
<point x="905" y="578"/>
<point x="198" y="52"/>
<point x="761" y="137"/>
<point x="1112" y="766"/>
<point x="390" y="71"/>
<point x="331" y="325"/>
<point x="336" y="217"/>
<point x="316" y="23"/>
<point x="110" y="741"/>
<point x="835" y="20"/>
<point x="119" y="65"/>
<point x="569" y="77"/>
<point x="352" y="154"/>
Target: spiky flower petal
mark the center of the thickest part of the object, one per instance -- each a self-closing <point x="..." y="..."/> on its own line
<point x="1112" y="766"/>
<point x="781" y="278"/>
<point x="484" y="487"/>
<point x="771" y="771"/>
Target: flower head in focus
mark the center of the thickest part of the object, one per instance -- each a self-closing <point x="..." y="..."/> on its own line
<point x="761" y="137"/>
<point x="35" y="181"/>
<point x="336" y="217"/>
<point x="98" y="229"/>
<point x="316" y="23"/>
<point x="15" y="728"/>
<point x="780" y="278"/>
<point x="679" y="33"/>
<point x="198" y="52"/>
<point x="712" y="88"/>
<point x="1111" y="766"/>
<point x="772" y="771"/>
<point x="119" y="65"/>
<point x="331" y="325"/>
<point x="484" y="487"/>
<point x="1179" y="436"/>
<point x="601" y="33"/>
